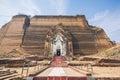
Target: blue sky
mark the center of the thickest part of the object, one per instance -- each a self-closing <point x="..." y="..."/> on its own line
<point x="101" y="13"/>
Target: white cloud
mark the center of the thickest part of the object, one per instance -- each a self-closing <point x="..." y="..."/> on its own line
<point x="8" y="8"/>
<point x="59" y="5"/>
<point x="30" y="8"/>
<point x="109" y="21"/>
<point x="100" y="15"/>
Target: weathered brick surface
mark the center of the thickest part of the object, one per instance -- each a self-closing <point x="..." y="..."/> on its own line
<point x="12" y="34"/>
<point x="86" y="39"/>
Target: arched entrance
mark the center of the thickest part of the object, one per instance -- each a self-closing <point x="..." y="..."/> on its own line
<point x="58" y="46"/>
<point x="58" y="42"/>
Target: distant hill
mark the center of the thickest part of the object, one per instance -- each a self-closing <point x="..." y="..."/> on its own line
<point x="113" y="52"/>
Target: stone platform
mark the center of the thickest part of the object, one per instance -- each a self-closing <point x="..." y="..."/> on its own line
<point x="59" y="70"/>
<point x="60" y="73"/>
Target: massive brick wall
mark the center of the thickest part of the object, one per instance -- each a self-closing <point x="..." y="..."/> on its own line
<point x="85" y="39"/>
<point x="12" y="33"/>
<point x="101" y="39"/>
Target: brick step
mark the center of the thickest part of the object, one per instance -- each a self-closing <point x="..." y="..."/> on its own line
<point x="59" y="61"/>
<point x="60" y="78"/>
<point x="12" y="77"/>
<point x="59" y="64"/>
<point x="6" y="77"/>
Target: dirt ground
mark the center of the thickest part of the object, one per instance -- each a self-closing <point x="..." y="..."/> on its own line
<point x="106" y="71"/>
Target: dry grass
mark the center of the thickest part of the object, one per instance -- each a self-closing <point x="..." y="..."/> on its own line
<point x="113" y="53"/>
<point x="14" y="53"/>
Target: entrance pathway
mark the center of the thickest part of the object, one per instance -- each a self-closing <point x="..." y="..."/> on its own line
<point x="60" y="71"/>
<point x="57" y="71"/>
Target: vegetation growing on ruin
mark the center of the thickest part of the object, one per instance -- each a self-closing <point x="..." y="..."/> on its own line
<point x="113" y="52"/>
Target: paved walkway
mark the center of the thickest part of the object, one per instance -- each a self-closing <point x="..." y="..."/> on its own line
<point x="60" y="71"/>
<point x="57" y="72"/>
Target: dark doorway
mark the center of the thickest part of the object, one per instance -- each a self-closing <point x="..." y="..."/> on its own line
<point x="58" y="52"/>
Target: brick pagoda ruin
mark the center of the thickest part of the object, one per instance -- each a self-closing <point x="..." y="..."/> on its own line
<point x="53" y="35"/>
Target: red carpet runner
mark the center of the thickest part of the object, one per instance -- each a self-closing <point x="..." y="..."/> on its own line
<point x="59" y="61"/>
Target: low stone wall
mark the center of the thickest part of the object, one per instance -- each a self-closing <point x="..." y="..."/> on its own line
<point x="88" y="59"/>
<point x="18" y="62"/>
<point x="107" y="78"/>
<point x="96" y="61"/>
<point x="12" y="62"/>
<point x="35" y="58"/>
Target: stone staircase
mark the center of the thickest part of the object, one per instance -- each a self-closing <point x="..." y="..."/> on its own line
<point x="10" y="77"/>
<point x="7" y="74"/>
<point x="58" y="61"/>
